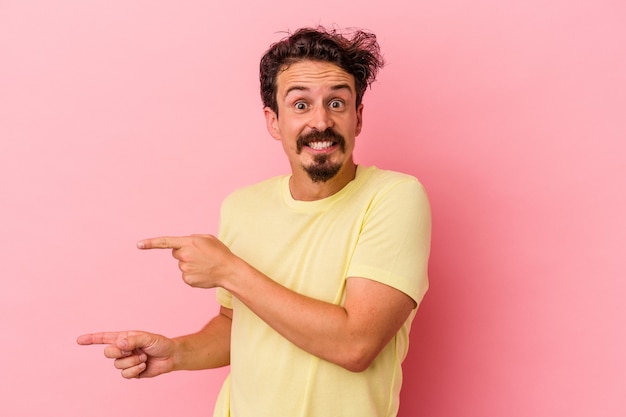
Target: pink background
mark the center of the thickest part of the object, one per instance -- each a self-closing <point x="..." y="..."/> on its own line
<point x="126" y="119"/>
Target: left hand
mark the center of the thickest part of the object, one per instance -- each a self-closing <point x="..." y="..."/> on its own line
<point x="204" y="261"/>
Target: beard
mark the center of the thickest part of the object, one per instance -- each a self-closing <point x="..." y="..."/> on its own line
<point x="322" y="169"/>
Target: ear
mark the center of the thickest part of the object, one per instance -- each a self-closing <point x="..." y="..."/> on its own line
<point x="359" y="120"/>
<point x="271" y="122"/>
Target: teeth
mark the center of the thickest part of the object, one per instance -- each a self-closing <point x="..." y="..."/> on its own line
<point x="320" y="145"/>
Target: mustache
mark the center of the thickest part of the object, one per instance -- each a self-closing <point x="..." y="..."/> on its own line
<point x="320" y="136"/>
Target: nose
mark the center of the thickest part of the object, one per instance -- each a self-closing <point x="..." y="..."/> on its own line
<point x="321" y="118"/>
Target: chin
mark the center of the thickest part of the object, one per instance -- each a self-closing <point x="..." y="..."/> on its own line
<point x="321" y="173"/>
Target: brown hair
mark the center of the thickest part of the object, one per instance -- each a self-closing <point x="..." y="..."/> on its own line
<point x="358" y="54"/>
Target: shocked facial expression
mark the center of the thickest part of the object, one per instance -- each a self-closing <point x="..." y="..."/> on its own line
<point x="317" y="120"/>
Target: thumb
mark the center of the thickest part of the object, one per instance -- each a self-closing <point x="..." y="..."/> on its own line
<point x="131" y="341"/>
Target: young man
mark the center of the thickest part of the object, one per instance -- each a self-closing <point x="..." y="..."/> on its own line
<point x="318" y="273"/>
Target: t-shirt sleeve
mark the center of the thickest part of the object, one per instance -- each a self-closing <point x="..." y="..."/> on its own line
<point x="394" y="243"/>
<point x="223" y="297"/>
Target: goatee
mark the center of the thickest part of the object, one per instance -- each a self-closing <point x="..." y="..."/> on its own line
<point x="321" y="170"/>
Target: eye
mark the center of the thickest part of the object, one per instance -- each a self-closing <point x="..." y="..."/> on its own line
<point x="300" y="105"/>
<point x="336" y="104"/>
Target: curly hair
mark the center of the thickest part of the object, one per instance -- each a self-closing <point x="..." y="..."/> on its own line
<point x="358" y="54"/>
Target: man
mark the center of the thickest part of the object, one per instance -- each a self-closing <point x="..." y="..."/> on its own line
<point x="318" y="273"/>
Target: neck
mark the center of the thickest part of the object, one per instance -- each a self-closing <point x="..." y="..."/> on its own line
<point x="303" y="188"/>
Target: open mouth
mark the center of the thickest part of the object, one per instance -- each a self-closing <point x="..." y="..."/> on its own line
<point x="321" y="141"/>
<point x="321" y="146"/>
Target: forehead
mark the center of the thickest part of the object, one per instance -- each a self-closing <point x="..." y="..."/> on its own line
<point x="312" y="74"/>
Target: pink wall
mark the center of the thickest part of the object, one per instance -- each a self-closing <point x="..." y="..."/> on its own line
<point x="126" y="119"/>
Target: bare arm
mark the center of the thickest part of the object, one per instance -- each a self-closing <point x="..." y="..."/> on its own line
<point x="208" y="348"/>
<point x="350" y="336"/>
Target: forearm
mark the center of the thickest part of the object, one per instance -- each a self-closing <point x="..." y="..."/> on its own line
<point x="350" y="335"/>
<point x="206" y="349"/>
<point x="312" y="325"/>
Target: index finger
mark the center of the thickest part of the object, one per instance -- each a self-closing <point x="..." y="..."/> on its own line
<point x="102" y="338"/>
<point x="164" y="242"/>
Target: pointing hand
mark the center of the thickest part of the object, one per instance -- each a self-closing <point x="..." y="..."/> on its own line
<point x="204" y="261"/>
<point x="136" y="354"/>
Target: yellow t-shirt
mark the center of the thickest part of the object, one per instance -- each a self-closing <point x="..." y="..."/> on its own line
<point x="377" y="227"/>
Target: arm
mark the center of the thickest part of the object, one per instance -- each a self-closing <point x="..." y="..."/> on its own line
<point x="350" y="336"/>
<point x="209" y="348"/>
<point x="148" y="355"/>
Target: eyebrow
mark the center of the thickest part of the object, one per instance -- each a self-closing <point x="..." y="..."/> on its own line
<point x="343" y="86"/>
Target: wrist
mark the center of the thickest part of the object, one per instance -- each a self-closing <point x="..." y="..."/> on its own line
<point x="179" y="349"/>
<point x="238" y="277"/>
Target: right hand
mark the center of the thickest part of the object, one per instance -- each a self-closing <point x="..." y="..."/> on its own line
<point x="137" y="354"/>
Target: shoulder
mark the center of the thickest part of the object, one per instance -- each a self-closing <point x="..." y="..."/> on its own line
<point x="381" y="182"/>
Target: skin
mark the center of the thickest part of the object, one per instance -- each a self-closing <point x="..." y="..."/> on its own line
<point x="311" y="96"/>
<point x="315" y="96"/>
